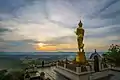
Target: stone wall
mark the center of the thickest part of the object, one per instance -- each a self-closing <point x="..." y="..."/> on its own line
<point x="72" y="74"/>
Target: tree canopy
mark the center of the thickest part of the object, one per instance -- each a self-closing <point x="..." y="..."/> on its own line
<point x="113" y="55"/>
<point x="13" y="75"/>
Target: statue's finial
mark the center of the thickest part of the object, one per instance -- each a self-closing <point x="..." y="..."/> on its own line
<point x="95" y="50"/>
<point x="80" y="24"/>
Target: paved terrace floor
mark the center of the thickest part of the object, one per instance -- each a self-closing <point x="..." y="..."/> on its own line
<point x="49" y="72"/>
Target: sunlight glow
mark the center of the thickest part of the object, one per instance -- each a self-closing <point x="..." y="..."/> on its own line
<point x="44" y="47"/>
<point x="41" y="44"/>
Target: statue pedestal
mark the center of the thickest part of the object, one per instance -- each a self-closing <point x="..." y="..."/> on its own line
<point x="80" y="57"/>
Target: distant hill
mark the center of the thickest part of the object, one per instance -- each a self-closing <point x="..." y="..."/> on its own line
<point x="40" y="53"/>
<point x="8" y="62"/>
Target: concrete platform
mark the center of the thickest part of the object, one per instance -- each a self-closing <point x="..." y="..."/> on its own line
<point x="105" y="74"/>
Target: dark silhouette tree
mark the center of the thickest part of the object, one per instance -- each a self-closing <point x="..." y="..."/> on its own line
<point x="113" y="55"/>
<point x="14" y="75"/>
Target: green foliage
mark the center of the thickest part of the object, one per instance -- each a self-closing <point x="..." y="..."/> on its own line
<point x="13" y="75"/>
<point x="2" y="73"/>
<point x="113" y="55"/>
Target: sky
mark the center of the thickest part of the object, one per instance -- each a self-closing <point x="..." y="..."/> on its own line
<point x="49" y="25"/>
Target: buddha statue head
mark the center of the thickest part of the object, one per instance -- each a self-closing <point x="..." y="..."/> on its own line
<point x="80" y="24"/>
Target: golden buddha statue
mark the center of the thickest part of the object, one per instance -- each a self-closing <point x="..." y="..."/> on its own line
<point x="80" y="35"/>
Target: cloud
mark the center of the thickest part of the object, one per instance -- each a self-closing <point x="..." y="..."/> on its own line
<point x="61" y="40"/>
<point x="22" y="48"/>
<point x="25" y="23"/>
<point x="109" y="4"/>
<point x="3" y="30"/>
<point x="17" y="45"/>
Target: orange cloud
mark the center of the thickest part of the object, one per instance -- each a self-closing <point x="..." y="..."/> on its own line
<point x="69" y="47"/>
<point x="65" y="46"/>
<point x="45" y="47"/>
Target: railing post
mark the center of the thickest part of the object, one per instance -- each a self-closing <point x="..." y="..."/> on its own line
<point x="92" y="67"/>
<point x="78" y="69"/>
<point x="102" y="66"/>
<point x="65" y="65"/>
<point x="88" y="68"/>
<point x="57" y="64"/>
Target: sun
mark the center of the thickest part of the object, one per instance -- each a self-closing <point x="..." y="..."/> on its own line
<point x="41" y="44"/>
<point x="44" y="47"/>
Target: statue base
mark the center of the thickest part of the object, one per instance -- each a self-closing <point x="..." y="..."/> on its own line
<point x="80" y="57"/>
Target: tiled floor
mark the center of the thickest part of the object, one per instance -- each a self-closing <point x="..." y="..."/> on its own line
<point x="49" y="72"/>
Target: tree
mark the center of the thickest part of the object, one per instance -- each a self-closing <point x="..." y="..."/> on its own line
<point x="2" y="73"/>
<point x="14" y="75"/>
<point x="113" y="55"/>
